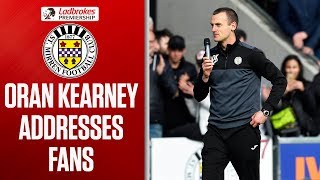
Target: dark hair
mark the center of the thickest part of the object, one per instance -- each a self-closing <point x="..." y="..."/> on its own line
<point x="231" y="14"/>
<point x="163" y="33"/>
<point x="52" y="12"/>
<point x="296" y="58"/>
<point x="240" y="33"/>
<point x="176" y="43"/>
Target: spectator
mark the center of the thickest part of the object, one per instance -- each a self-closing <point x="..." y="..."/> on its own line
<point x="196" y="130"/>
<point x="163" y="37"/>
<point x="300" y="20"/>
<point x="177" y="111"/>
<point x="162" y="86"/>
<point x="241" y="35"/>
<point x="297" y="89"/>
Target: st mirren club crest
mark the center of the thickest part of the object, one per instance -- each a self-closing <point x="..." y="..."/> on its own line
<point x="238" y="60"/>
<point x="69" y="50"/>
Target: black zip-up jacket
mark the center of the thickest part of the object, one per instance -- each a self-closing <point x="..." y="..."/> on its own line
<point x="161" y="88"/>
<point x="235" y="82"/>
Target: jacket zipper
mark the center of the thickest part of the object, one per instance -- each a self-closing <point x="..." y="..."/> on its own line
<point x="225" y="63"/>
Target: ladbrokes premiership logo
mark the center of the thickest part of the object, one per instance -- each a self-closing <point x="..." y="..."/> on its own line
<point x="69" y="50"/>
<point x="49" y="13"/>
<point x="55" y="13"/>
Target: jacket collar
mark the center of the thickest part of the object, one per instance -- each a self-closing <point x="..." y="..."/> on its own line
<point x="181" y="64"/>
<point x="229" y="46"/>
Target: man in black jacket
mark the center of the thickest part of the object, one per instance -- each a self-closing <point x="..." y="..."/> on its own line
<point x="162" y="87"/>
<point x="177" y="111"/>
<point x="233" y="78"/>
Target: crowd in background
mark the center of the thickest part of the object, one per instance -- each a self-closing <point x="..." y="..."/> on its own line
<point x="299" y="20"/>
<point x="175" y="113"/>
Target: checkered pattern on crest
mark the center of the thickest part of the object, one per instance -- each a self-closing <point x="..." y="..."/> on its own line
<point x="69" y="52"/>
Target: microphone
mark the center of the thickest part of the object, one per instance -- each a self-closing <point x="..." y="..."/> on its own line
<point x="207" y="47"/>
<point x="154" y="62"/>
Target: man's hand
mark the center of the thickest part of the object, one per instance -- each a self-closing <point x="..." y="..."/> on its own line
<point x="185" y="85"/>
<point x="184" y="77"/>
<point x="307" y="50"/>
<point x="207" y="66"/>
<point x="160" y="66"/>
<point x="186" y="88"/>
<point x="257" y="119"/>
<point x="298" y="39"/>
